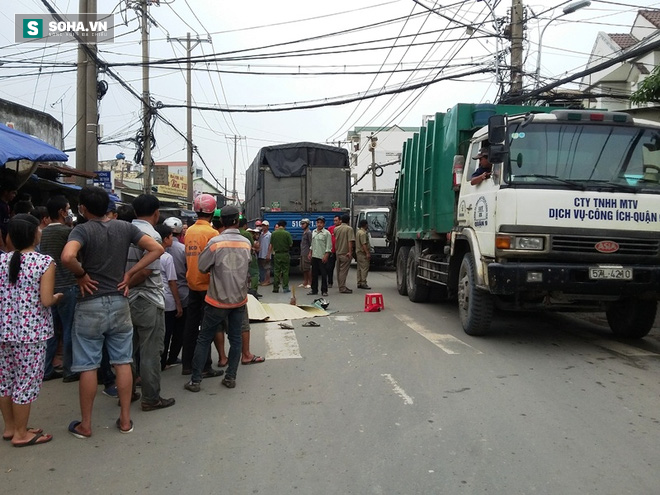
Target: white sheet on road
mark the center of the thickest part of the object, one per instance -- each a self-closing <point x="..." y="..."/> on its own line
<point x="280" y="312"/>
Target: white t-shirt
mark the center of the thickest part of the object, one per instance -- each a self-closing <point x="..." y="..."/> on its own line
<point x="168" y="273"/>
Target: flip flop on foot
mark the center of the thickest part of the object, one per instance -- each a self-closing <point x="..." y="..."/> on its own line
<point x="76" y="433"/>
<point x="254" y="360"/>
<point x="29" y="429"/>
<point x="37" y="439"/>
<point x="118" y="424"/>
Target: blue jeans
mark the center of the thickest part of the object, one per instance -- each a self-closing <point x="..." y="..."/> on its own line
<point x="98" y="321"/>
<point x="212" y="323"/>
<point x="63" y="314"/>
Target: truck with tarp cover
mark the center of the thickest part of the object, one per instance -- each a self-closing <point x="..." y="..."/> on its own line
<point x="295" y="181"/>
<point x="568" y="220"/>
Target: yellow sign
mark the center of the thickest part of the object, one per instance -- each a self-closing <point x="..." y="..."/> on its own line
<point x="178" y="182"/>
<point x="172" y="191"/>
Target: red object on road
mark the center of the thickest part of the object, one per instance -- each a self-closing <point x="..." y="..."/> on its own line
<point x="373" y="302"/>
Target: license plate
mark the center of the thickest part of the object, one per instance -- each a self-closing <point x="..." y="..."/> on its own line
<point x="610" y="273"/>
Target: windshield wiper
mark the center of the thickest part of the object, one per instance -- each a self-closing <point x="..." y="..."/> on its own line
<point x="606" y="184"/>
<point x="575" y="185"/>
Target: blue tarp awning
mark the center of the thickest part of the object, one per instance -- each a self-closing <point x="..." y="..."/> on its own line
<point x="16" y="145"/>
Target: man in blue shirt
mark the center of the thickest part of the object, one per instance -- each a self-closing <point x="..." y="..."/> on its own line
<point x="264" y="254"/>
<point x="484" y="170"/>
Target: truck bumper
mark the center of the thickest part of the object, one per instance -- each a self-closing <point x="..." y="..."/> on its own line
<point x="514" y="278"/>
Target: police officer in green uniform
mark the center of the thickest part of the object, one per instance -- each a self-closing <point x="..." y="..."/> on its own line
<point x="280" y="244"/>
<point x="254" y="264"/>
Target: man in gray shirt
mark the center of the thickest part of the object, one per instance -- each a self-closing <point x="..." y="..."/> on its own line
<point x="102" y="311"/>
<point x="147" y="304"/>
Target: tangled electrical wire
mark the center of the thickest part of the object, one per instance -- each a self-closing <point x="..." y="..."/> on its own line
<point x="140" y="137"/>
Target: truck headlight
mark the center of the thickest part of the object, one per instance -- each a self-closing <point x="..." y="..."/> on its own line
<point x="523" y="243"/>
<point x="530" y="243"/>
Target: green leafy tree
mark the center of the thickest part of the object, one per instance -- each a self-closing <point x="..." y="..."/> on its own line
<point x="649" y="89"/>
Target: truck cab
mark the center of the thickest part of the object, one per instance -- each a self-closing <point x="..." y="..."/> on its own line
<point x="377" y="223"/>
<point x="569" y="219"/>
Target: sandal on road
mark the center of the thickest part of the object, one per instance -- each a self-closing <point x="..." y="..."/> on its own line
<point x="311" y="324"/>
<point x="37" y="439"/>
<point x="254" y="360"/>
<point x="72" y="429"/>
<point x="29" y="429"/>
<point x="285" y="326"/>
<point x="118" y="424"/>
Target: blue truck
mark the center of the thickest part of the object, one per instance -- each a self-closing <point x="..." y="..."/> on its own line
<point x="295" y="181"/>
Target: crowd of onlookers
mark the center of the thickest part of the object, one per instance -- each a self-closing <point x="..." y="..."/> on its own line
<point x="124" y="293"/>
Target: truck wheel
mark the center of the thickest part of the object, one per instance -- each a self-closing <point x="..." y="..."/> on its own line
<point x="417" y="292"/>
<point x="475" y="306"/>
<point x="631" y="318"/>
<point x="401" y="267"/>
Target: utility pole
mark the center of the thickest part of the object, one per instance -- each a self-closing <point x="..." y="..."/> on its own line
<point x="146" y="105"/>
<point x="234" y="192"/>
<point x="60" y="100"/>
<point x="516" y="46"/>
<point x="372" y="148"/>
<point x="91" y="127"/>
<point x="189" y="48"/>
<point x="86" y="97"/>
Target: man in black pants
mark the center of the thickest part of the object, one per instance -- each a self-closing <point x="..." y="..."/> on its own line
<point x="197" y="237"/>
<point x="318" y="254"/>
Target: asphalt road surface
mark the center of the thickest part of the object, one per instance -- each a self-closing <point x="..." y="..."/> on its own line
<point x="396" y="402"/>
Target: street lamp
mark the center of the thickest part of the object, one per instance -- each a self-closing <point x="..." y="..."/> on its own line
<point x="568" y="9"/>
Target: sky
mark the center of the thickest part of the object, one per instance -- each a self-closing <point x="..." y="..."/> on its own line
<point x="265" y="55"/>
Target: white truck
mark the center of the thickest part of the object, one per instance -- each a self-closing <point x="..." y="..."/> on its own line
<point x="569" y="220"/>
<point x="374" y="207"/>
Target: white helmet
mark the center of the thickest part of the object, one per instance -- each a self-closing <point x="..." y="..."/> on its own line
<point x="175" y="224"/>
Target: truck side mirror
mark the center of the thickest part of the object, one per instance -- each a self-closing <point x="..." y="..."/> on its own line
<point x="497" y="129"/>
<point x="497" y="153"/>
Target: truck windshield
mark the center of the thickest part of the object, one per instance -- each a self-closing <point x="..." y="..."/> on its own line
<point x="584" y="156"/>
<point x="377" y="223"/>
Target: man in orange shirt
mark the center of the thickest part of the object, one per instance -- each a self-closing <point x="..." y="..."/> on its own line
<point x="197" y="237"/>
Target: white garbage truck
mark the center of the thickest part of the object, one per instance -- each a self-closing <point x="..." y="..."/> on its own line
<point x="568" y="220"/>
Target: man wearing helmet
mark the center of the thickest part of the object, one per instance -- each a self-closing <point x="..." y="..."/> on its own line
<point x="197" y="237"/>
<point x="227" y="259"/>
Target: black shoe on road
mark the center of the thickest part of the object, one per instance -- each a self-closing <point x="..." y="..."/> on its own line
<point x="159" y="404"/>
<point x="212" y="373"/>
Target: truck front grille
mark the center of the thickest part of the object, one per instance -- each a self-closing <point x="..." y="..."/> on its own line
<point x="587" y="245"/>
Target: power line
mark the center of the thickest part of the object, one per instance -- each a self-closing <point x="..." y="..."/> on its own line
<point x="327" y="102"/>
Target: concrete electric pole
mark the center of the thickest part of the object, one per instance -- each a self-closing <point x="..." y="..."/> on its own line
<point x="234" y="192"/>
<point x="146" y="105"/>
<point x="516" y="47"/>
<point x="372" y="147"/>
<point x="86" y="97"/>
<point x="189" y="48"/>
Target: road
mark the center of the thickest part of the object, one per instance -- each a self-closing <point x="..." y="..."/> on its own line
<point x="396" y="402"/>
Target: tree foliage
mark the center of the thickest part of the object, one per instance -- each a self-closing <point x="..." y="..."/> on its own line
<point x="649" y="89"/>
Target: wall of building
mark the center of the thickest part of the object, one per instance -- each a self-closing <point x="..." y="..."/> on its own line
<point x="38" y="124"/>
<point x="388" y="149"/>
<point x="642" y="28"/>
